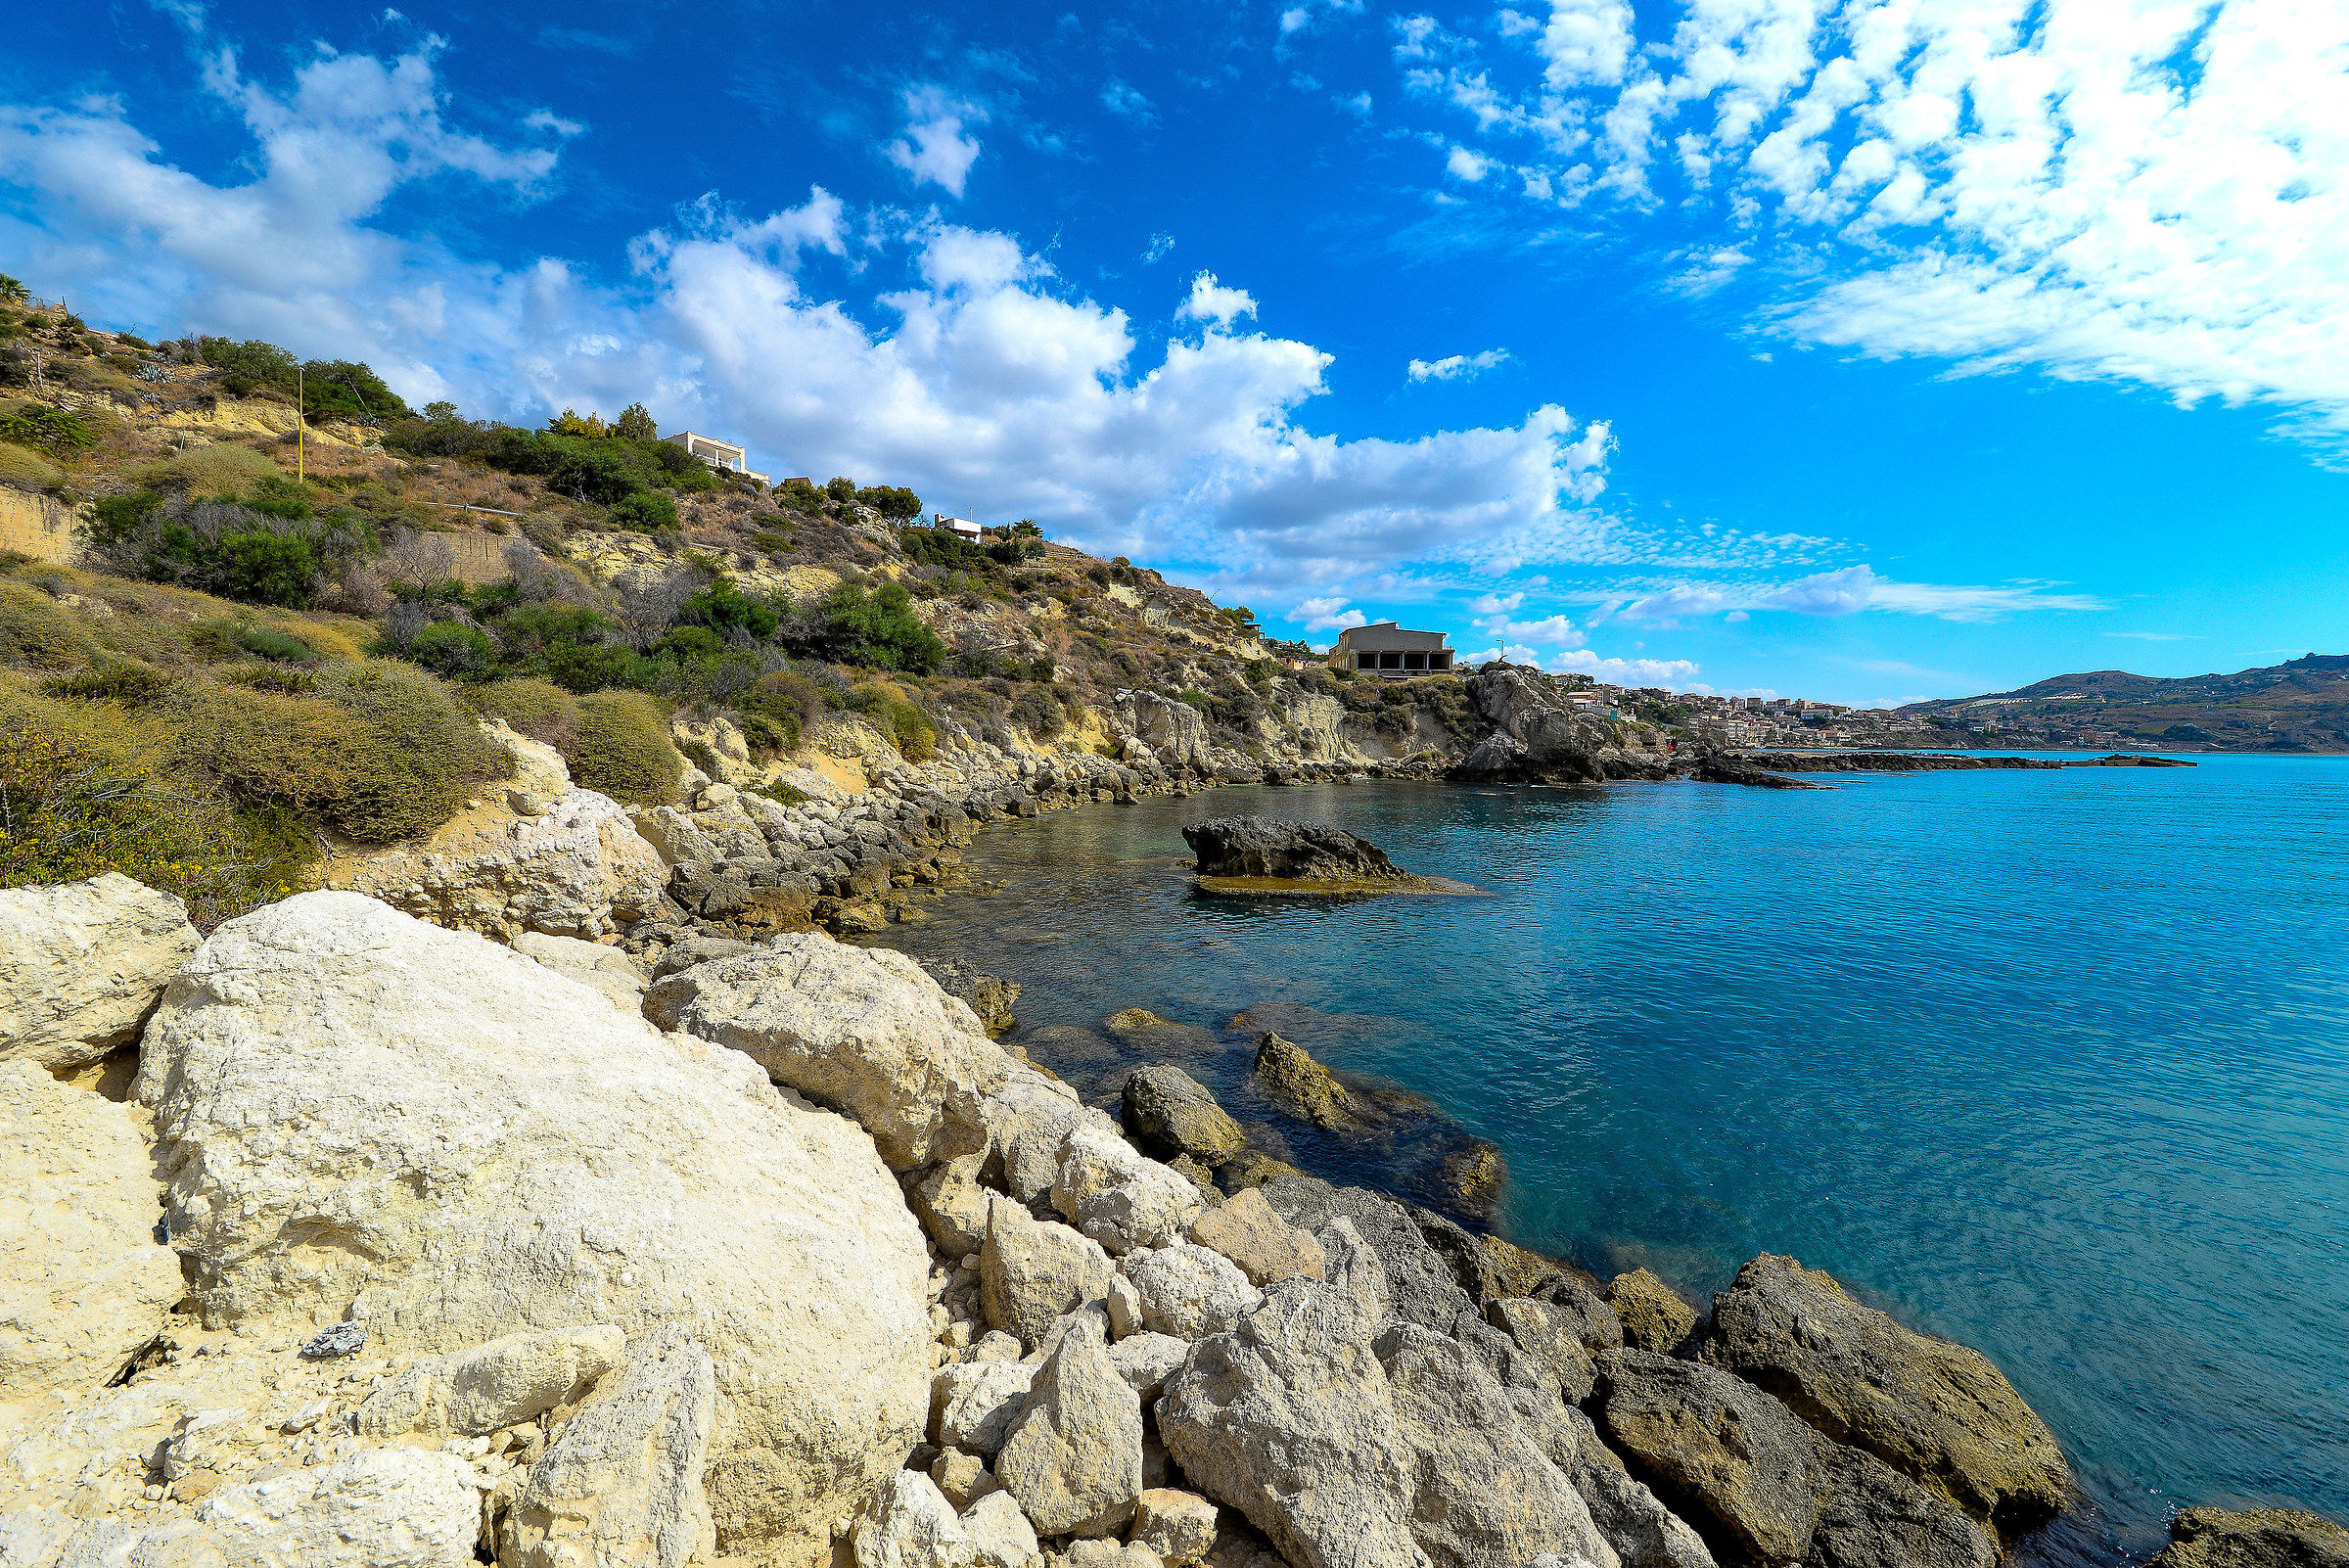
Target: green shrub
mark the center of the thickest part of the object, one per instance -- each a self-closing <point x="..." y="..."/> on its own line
<point x="27" y="469"/>
<point x="878" y="629"/>
<point x="216" y="470"/>
<point x="722" y="607"/>
<point x="935" y="547"/>
<point x="68" y="813"/>
<point x="890" y="501"/>
<point x="1039" y="711"/>
<point x="378" y="750"/>
<point x="53" y="429"/>
<point x="453" y="651"/>
<point x="620" y="747"/>
<point x="776" y="709"/>
<point x="902" y="723"/>
<point x="646" y="510"/>
<point x="36" y="632"/>
<point x="113" y="680"/>
<point x="273" y="552"/>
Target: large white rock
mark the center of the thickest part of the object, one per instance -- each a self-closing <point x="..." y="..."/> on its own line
<point x="82" y="964"/>
<point x="1031" y="1271"/>
<point x="976" y="1403"/>
<point x="84" y="1279"/>
<point x="1073" y="1458"/>
<point x="911" y="1524"/>
<point x="507" y="1381"/>
<point x="1118" y="1196"/>
<point x="621" y="1486"/>
<point x="864" y="1031"/>
<point x="362" y="1116"/>
<point x="1189" y="1291"/>
<point x="377" y="1509"/>
<point x="581" y="869"/>
<point x="594" y="965"/>
<point x="1289" y="1419"/>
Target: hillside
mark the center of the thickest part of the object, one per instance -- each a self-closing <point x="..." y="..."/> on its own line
<point x="2302" y="706"/>
<point x="296" y="629"/>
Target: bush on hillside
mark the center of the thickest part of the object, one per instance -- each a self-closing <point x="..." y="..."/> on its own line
<point x="274" y="551"/>
<point x="328" y="388"/>
<point x="27" y="469"/>
<point x="377" y="751"/>
<point x="620" y="747"/>
<point x="935" y="547"/>
<point x="901" y="722"/>
<point x="893" y="502"/>
<point x="878" y="630"/>
<point x="68" y="813"/>
<point x="52" y="430"/>
<point x="36" y="632"/>
<point x="1039" y="713"/>
<point x="220" y="468"/>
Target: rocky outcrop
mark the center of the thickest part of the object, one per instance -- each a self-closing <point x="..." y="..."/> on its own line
<point x="1652" y="1315"/>
<point x="1266" y="1247"/>
<point x="1940" y="1413"/>
<point x="1288" y="1419"/>
<point x="1297" y="1083"/>
<point x="863" y="1031"/>
<point x="1482" y="1490"/>
<point x="989" y="997"/>
<point x="1252" y="846"/>
<point x="81" y="966"/>
<point x="504" y="1383"/>
<point x="1173" y="1115"/>
<point x="595" y="965"/>
<point x="1421" y="1286"/>
<point x="1536" y="738"/>
<point x="1073" y="1458"/>
<point x="363" y="1116"/>
<point x="2253" y="1537"/>
<point x="84" y="1278"/>
<point x="575" y="867"/>
<point x="1175" y="733"/>
<point x="1714" y="1448"/>
<point x="622" y="1484"/>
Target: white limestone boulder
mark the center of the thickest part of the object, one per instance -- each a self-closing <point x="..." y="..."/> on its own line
<point x="1119" y="1196"/>
<point x="1031" y="1271"/>
<point x="622" y="1481"/>
<point x="1288" y="1419"/>
<point x="594" y="965"/>
<point x="911" y="1524"/>
<point x="84" y="1278"/>
<point x="507" y="1381"/>
<point x="82" y="964"/>
<point x="1073" y="1458"/>
<point x="578" y="869"/>
<point x="365" y="1116"/>
<point x="1188" y="1291"/>
<point x="866" y="1032"/>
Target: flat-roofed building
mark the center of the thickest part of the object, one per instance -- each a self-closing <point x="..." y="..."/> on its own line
<point x="963" y="528"/>
<point x="717" y="453"/>
<point x="1384" y="648"/>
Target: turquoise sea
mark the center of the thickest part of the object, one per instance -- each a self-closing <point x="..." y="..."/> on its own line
<point x="2056" y="1064"/>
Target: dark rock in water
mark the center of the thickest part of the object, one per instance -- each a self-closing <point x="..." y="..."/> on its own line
<point x="1475" y="1176"/>
<point x="1652" y="1313"/>
<point x="1872" y="1516"/>
<point x="1266" y="847"/>
<point x="332" y="1344"/>
<point x="990" y="996"/>
<point x="1174" y="1114"/>
<point x="1252" y="1167"/>
<point x="1302" y="1087"/>
<point x="1143" y="1031"/>
<point x="1938" y="1412"/>
<point x="1421" y="1285"/>
<point x="2253" y="1537"/>
<point x="1719" y="1452"/>
<point x="1720" y="769"/>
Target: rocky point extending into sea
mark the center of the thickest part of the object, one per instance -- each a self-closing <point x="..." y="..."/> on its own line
<point x="549" y="1205"/>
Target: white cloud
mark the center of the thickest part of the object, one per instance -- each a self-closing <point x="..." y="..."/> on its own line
<point x="1845" y="591"/>
<point x="1292" y="19"/>
<point x="1160" y="245"/>
<point x="1463" y="165"/>
<point x="1458" y="367"/>
<point x="1552" y="631"/>
<point x="1121" y="99"/>
<point x="1670" y="673"/>
<point x="1328" y="615"/>
<point x="986" y="378"/>
<point x="934" y="149"/>
<point x="1210" y="301"/>
<point x="2131" y="190"/>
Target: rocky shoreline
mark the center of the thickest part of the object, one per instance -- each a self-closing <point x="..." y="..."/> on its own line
<point x="770" y="1255"/>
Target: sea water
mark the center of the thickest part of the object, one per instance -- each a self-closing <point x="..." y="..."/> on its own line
<point x="2052" y="1063"/>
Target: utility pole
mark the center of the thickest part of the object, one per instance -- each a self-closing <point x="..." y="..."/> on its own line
<point x="301" y="424"/>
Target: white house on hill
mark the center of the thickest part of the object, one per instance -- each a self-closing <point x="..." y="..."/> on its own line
<point x="717" y="453"/>
<point x="963" y="528"/>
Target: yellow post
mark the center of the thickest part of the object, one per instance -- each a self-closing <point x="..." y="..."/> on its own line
<point x="301" y="424"/>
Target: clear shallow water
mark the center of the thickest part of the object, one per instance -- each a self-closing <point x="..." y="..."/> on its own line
<point x="2052" y="1063"/>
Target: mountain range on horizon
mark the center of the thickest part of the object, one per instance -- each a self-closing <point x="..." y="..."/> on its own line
<point x="2300" y="705"/>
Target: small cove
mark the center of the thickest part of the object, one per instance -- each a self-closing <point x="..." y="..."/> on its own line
<point x="2054" y="1063"/>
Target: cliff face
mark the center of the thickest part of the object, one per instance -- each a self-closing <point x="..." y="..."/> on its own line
<point x="1534" y="736"/>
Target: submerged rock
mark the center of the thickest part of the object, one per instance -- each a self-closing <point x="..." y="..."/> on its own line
<point x="1253" y="846"/>
<point x="1302" y="1087"/>
<point x="1174" y="1114"/>
<point x="2253" y="1537"/>
<point x="1936" y="1412"/>
<point x="989" y="996"/>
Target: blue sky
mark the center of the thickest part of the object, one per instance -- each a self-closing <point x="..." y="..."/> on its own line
<point x="1859" y="352"/>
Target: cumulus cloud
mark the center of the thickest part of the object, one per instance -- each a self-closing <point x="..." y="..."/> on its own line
<point x="2132" y="190"/>
<point x="986" y="377"/>
<point x="1458" y="367"/>
<point x="1673" y="674"/>
<point x="1327" y="615"/>
<point x="1210" y="301"/>
<point x="935" y="148"/>
<point x="1119" y="98"/>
